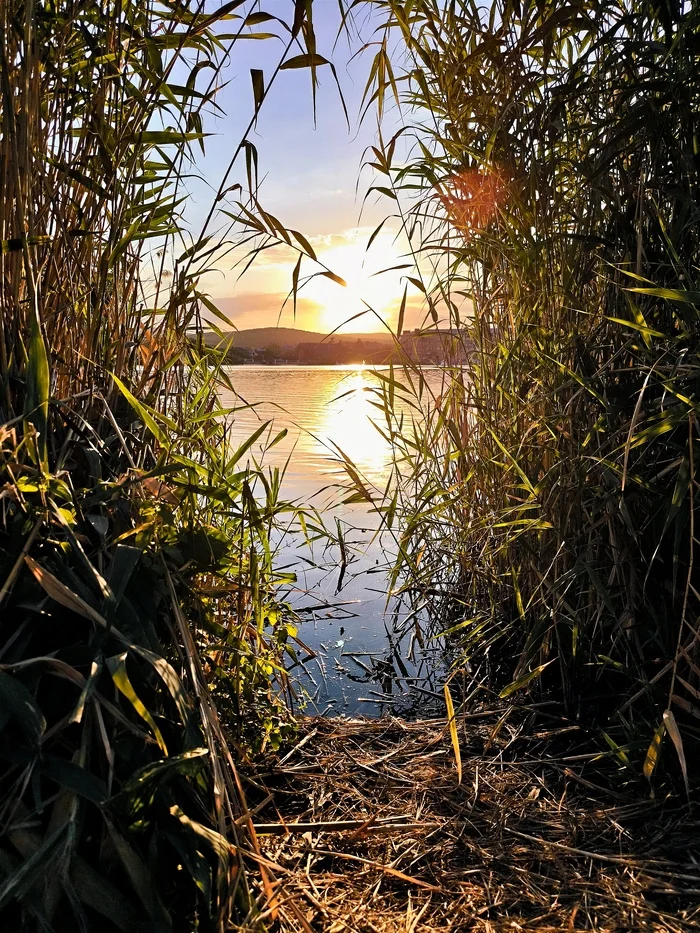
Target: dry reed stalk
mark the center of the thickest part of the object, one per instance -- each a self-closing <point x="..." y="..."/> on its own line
<point x="544" y="510"/>
<point x="517" y="847"/>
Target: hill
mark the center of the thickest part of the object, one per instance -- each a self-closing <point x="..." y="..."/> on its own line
<point x="259" y="338"/>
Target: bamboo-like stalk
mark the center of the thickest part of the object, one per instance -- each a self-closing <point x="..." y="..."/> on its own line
<point x="123" y="508"/>
<point x="547" y="505"/>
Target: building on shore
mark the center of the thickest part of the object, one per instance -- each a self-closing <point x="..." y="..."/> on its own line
<point x="437" y="345"/>
<point x="346" y="352"/>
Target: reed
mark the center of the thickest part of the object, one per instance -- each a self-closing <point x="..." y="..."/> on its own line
<point x="547" y="177"/>
<point x="141" y="640"/>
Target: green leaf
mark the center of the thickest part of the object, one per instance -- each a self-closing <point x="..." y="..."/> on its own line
<point x="304" y="61"/>
<point x="168" y="137"/>
<point x="190" y="762"/>
<point x="36" y="405"/>
<point x="36" y="866"/>
<point x="169" y="676"/>
<point x="248" y="443"/>
<point x="144" y="413"/>
<point x="71" y="776"/>
<point x="254" y="19"/>
<point x="125" y="559"/>
<point x="87" y="691"/>
<point x="196" y="862"/>
<point x="634" y="325"/>
<point x="218" y="843"/>
<point x="652" y="757"/>
<point x="620" y="752"/>
<point x="453" y="731"/>
<point x="102" y="896"/>
<point x="382" y="189"/>
<point x="16" y="700"/>
<point x="671" y="294"/>
<point x="142" y="882"/>
<point x="523" y="681"/>
<point x="117" y="668"/>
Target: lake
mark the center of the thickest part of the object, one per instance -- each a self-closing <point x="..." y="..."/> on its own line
<point x="367" y="659"/>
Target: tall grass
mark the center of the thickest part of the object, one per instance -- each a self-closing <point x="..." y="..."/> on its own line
<point x="140" y="638"/>
<point x="548" y="184"/>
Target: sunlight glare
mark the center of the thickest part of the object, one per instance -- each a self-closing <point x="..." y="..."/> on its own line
<point x="346" y="423"/>
<point x="359" y="269"/>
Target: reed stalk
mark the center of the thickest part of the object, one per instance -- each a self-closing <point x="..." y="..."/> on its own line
<point x="547" y="177"/>
<point x="141" y="640"/>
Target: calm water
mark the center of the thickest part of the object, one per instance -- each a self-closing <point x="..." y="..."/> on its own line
<point x="365" y="661"/>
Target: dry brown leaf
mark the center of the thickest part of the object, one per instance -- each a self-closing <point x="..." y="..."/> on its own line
<point x="62" y="594"/>
<point x="159" y="490"/>
<point x="674" y="732"/>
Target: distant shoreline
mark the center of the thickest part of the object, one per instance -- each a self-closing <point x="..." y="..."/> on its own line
<point x="269" y="346"/>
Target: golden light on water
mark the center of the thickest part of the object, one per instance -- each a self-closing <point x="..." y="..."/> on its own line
<point x="347" y="425"/>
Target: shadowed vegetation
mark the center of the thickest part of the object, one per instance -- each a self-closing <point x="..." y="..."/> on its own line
<point x="141" y="642"/>
<point x="544" y="505"/>
<point x="548" y="184"/>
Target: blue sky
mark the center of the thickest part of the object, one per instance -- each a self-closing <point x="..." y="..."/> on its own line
<point x="310" y="173"/>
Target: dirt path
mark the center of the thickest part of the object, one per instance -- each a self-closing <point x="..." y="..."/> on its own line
<point x="530" y="840"/>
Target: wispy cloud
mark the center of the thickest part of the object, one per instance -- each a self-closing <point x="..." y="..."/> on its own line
<point x="375" y="277"/>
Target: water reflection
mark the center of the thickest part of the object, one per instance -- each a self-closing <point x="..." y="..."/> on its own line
<point x="348" y="424"/>
<point x="365" y="661"/>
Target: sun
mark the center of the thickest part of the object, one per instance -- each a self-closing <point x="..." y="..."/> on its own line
<point x="369" y="289"/>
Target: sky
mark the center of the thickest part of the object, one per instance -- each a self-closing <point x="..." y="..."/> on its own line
<point x="311" y="181"/>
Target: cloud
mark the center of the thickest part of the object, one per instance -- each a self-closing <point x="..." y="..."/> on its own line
<point x="264" y="309"/>
<point x="376" y="278"/>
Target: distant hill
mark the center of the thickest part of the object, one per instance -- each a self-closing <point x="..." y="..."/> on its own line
<point x="274" y="345"/>
<point x="259" y="338"/>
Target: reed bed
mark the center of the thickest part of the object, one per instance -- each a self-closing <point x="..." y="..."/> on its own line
<point x="141" y="642"/>
<point x="369" y="830"/>
<point x="545" y="174"/>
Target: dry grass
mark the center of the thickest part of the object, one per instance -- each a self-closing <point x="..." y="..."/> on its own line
<point x="531" y="840"/>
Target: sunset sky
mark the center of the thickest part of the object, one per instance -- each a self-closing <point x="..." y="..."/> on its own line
<point x="310" y="183"/>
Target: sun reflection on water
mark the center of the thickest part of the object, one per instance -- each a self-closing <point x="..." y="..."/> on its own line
<point x="347" y="424"/>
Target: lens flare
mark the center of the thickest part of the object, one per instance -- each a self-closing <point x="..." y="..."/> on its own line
<point x="472" y="198"/>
